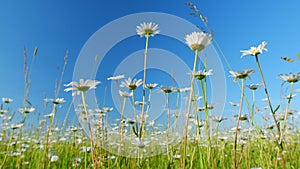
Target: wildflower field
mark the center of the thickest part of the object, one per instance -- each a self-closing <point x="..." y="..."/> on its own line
<point x="126" y="135"/>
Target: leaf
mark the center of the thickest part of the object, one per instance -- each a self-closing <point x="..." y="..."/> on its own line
<point x="276" y="109"/>
<point x="35" y="51"/>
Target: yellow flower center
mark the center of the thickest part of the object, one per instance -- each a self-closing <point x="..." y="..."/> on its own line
<point x="197" y="47"/>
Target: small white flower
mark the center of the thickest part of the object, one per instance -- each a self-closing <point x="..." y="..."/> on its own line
<point x="131" y="84"/>
<point x="116" y="77"/>
<point x="147" y="29"/>
<point x="241" y="74"/>
<point x="233" y="104"/>
<point x="6" y="100"/>
<point x="26" y="110"/>
<point x="56" y="101"/>
<point x="197" y="41"/>
<point x="254" y="51"/>
<point x="54" y="158"/>
<point x="219" y="119"/>
<point x="166" y="89"/>
<point x="291" y="78"/>
<point x="17" y="126"/>
<point x="82" y="86"/>
<point x="125" y="94"/>
<point x="202" y="74"/>
<point x="151" y="85"/>
<point x="254" y="86"/>
<point x="290" y="96"/>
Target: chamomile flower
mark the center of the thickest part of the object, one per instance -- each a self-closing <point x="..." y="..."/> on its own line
<point x="7" y="100"/>
<point x="254" y="51"/>
<point x="197" y="41"/>
<point x="125" y="94"/>
<point x="254" y="86"/>
<point x="147" y="29"/>
<point x="26" y="110"/>
<point x="82" y="86"/>
<point x="56" y="101"/>
<point x="291" y="78"/>
<point x="118" y="77"/>
<point x="241" y="74"/>
<point x="151" y="85"/>
<point x="131" y="84"/>
<point x="202" y="74"/>
<point x="219" y="119"/>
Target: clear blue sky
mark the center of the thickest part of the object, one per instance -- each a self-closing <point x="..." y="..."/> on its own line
<point x="54" y="26"/>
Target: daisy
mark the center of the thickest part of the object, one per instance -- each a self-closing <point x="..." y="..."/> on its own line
<point x="17" y="126"/>
<point x="6" y="100"/>
<point x="241" y="74"/>
<point x="202" y="74"/>
<point x="125" y="94"/>
<point x="56" y="101"/>
<point x="291" y="78"/>
<point x="166" y="89"/>
<point x="219" y="119"/>
<point x="116" y="77"/>
<point x="26" y="110"/>
<point x="151" y="85"/>
<point x="131" y="84"/>
<point x="254" y="86"/>
<point x="197" y="41"/>
<point x="147" y="29"/>
<point x="82" y="86"/>
<point x="254" y="51"/>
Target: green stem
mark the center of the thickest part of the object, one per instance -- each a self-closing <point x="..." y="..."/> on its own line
<point x="287" y="110"/>
<point x="144" y="85"/>
<point x="189" y="111"/>
<point x="237" y="125"/>
<point x="89" y="128"/>
<point x="269" y="101"/>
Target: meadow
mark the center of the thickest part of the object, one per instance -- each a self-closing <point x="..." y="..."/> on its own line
<point x="136" y="141"/>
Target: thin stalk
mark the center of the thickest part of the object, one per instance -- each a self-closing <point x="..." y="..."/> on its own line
<point x="287" y="110"/>
<point x="135" y="116"/>
<point x="237" y="124"/>
<point x="144" y="86"/>
<point x="90" y="130"/>
<point x="189" y="111"/>
<point x="269" y="101"/>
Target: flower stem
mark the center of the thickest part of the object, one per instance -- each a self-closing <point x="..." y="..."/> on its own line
<point x="189" y="111"/>
<point x="269" y="101"/>
<point x="287" y="110"/>
<point x="90" y="129"/>
<point x="144" y="86"/>
<point x="237" y="124"/>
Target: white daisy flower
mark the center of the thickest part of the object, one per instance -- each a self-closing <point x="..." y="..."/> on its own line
<point x="202" y="74"/>
<point x="147" y="29"/>
<point x="7" y="100"/>
<point x="82" y="86"/>
<point x="131" y="84"/>
<point x="56" y="101"/>
<point x="26" y="110"/>
<point x="291" y="78"/>
<point x="241" y="74"/>
<point x="118" y="77"/>
<point x="254" y="51"/>
<point x="125" y="94"/>
<point x="198" y="40"/>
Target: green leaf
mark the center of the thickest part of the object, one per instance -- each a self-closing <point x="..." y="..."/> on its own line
<point x="276" y="109"/>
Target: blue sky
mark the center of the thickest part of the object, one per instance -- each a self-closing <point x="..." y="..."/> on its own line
<point x="54" y="26"/>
